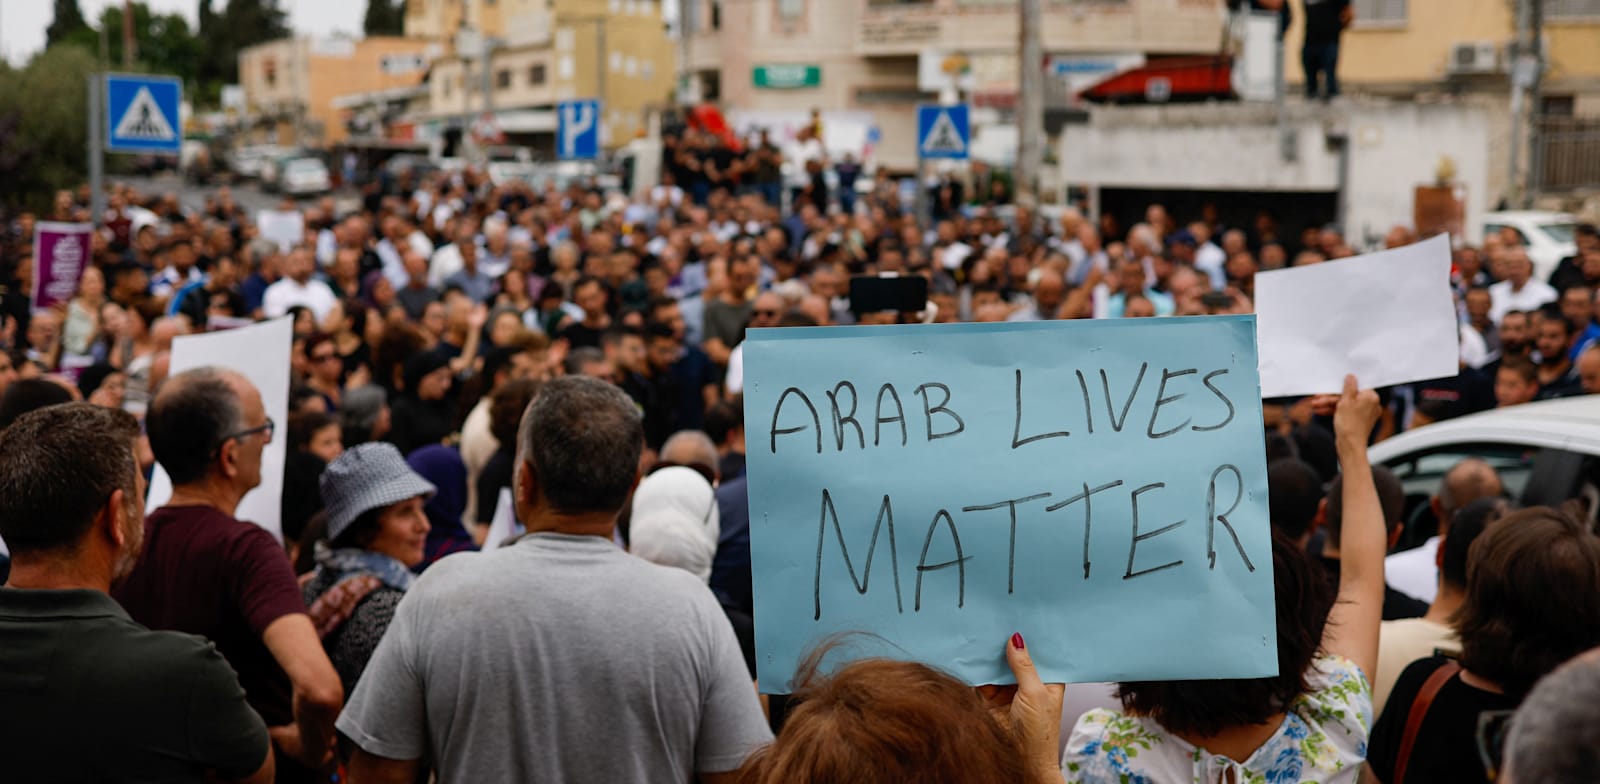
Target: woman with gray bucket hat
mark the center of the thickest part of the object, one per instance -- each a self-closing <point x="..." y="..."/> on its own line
<point x="376" y="531"/>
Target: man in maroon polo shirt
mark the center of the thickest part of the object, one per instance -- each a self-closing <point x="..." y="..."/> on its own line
<point x="206" y="573"/>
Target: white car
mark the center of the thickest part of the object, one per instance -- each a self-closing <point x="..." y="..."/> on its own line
<point x="304" y="177"/>
<point x="1548" y="236"/>
<point x="1546" y="453"/>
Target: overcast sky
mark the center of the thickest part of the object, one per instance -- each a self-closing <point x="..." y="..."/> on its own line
<point x="22" y="22"/>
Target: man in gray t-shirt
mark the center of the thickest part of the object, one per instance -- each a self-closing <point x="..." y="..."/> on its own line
<point x="560" y="658"/>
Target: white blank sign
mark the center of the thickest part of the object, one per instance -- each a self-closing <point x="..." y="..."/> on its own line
<point x="1388" y="317"/>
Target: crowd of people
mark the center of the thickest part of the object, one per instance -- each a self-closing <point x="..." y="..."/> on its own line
<point x="457" y="342"/>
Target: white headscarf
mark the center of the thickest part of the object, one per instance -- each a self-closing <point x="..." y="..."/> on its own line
<point x="675" y="521"/>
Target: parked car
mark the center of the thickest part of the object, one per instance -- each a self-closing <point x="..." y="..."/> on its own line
<point x="1546" y="453"/>
<point x="304" y="177"/>
<point x="1548" y="236"/>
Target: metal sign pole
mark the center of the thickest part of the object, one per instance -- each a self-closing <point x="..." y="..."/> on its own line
<point x="97" y="196"/>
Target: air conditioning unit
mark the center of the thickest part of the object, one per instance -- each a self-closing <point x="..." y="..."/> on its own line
<point x="1474" y="57"/>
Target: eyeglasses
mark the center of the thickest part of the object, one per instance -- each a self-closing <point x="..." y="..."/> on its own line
<point x="1493" y="726"/>
<point x="268" y="429"/>
<point x="766" y="313"/>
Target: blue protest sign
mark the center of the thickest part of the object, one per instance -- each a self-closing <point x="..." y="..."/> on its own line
<point x="142" y="114"/>
<point x="943" y="132"/>
<point x="1098" y="486"/>
<point x="578" y="130"/>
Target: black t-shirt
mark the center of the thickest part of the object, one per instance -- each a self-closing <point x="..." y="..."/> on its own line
<point x="1396" y="605"/>
<point x="1446" y="746"/>
<point x="1323" y="21"/>
<point x="89" y="695"/>
<point x="579" y="335"/>
<point x="496" y="474"/>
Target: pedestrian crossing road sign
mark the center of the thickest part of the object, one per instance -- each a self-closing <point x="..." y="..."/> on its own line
<point x="142" y="114"/>
<point x="943" y="132"/>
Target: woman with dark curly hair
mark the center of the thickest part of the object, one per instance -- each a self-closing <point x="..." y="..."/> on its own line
<point x="1310" y="722"/>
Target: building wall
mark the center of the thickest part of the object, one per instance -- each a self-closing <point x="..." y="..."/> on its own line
<point x="1415" y="52"/>
<point x="584" y="41"/>
<point x="301" y="77"/>
<point x="1394" y="147"/>
<point x="868" y="51"/>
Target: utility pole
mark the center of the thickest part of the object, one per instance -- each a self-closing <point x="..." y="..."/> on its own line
<point x="1030" y="102"/>
<point x="130" y="46"/>
<point x="1535" y="105"/>
<point x="1521" y="79"/>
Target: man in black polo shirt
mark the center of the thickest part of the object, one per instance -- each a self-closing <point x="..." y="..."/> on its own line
<point x="88" y="694"/>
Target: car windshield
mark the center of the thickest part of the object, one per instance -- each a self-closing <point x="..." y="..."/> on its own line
<point x="1560" y="232"/>
<point x="304" y="166"/>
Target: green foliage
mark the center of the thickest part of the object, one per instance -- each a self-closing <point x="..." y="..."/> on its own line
<point x="43" y="138"/>
<point x="163" y="42"/>
<point x="385" y="17"/>
<point x="68" y="20"/>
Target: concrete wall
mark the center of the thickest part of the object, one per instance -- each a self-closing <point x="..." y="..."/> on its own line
<point x="1394" y="147"/>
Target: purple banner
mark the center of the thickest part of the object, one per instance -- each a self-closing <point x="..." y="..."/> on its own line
<point x="60" y="254"/>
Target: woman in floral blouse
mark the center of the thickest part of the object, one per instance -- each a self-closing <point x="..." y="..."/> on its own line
<point x="1308" y="724"/>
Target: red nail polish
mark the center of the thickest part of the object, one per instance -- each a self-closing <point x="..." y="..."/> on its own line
<point x="1016" y="640"/>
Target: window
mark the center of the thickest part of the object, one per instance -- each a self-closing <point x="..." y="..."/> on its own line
<point x="536" y="75"/>
<point x="1380" y="12"/>
<point x="502" y="79"/>
<point x="1572" y="9"/>
<point x="716" y="14"/>
<point x="791" y="9"/>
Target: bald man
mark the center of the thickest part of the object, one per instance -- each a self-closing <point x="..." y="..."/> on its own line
<point x="1589" y="369"/>
<point x="1415" y="572"/>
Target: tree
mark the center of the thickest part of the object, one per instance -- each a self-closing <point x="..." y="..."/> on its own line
<point x="68" y="20"/>
<point x="385" y="17"/>
<point x="48" y="151"/>
<point x="164" y="42"/>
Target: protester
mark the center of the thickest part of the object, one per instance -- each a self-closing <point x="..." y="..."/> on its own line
<point x="1403" y="641"/>
<point x="1311" y="721"/>
<point x="204" y="572"/>
<point x="442" y="466"/>
<point x="75" y="671"/>
<point x="1551" y="738"/>
<point x="1392" y="500"/>
<point x="881" y="722"/>
<point x="649" y="635"/>
<point x="1532" y="602"/>
<point x="1416" y="572"/>
<point x="375" y="535"/>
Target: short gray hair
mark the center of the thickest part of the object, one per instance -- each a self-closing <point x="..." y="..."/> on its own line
<point x="690" y="447"/>
<point x="583" y="437"/>
<point x="1551" y="739"/>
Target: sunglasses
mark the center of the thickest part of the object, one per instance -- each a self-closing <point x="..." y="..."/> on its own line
<point x="268" y="429"/>
<point x="765" y="313"/>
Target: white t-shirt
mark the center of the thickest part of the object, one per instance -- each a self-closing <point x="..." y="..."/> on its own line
<point x="734" y="381"/>
<point x="286" y="293"/>
<point x="1415" y="572"/>
<point x="1503" y="299"/>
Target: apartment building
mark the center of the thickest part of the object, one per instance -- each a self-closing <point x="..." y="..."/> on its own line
<point x="877" y="59"/>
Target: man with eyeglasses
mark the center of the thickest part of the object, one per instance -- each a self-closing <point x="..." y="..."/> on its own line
<point x="205" y="572"/>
